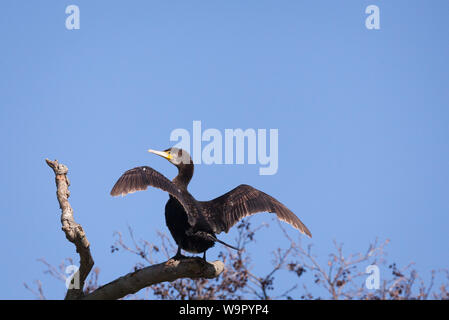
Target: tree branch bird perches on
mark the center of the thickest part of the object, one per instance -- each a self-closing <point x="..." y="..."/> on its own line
<point x="193" y="224"/>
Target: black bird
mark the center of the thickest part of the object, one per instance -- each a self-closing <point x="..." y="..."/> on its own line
<point x="193" y="224"/>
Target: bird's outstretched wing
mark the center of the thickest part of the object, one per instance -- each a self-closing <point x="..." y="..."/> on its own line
<point x="225" y="211"/>
<point x="139" y="178"/>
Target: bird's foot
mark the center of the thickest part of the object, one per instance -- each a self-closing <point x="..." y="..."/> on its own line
<point x="178" y="256"/>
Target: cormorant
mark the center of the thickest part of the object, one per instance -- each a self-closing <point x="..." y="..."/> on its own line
<point x="193" y="224"/>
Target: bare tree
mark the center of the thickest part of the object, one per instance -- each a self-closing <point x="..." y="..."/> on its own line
<point x="341" y="276"/>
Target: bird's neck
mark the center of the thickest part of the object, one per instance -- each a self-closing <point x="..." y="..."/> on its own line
<point x="185" y="174"/>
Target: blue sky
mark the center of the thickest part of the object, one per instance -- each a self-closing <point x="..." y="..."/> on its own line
<point x="362" y="116"/>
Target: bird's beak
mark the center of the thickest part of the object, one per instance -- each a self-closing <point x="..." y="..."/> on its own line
<point x="163" y="154"/>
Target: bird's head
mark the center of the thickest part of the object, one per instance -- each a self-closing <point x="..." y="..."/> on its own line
<point x="176" y="156"/>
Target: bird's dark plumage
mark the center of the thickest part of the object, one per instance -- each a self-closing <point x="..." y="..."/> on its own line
<point x="225" y="211"/>
<point x="193" y="224"/>
<point x="139" y="178"/>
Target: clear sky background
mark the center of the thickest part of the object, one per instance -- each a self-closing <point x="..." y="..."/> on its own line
<point x="363" y="119"/>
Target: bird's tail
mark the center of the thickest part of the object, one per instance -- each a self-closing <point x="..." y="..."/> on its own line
<point x="224" y="243"/>
<point x="210" y="236"/>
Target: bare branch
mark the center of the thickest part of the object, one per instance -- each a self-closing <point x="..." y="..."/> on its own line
<point x="171" y="270"/>
<point x="39" y="293"/>
<point x="73" y="231"/>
